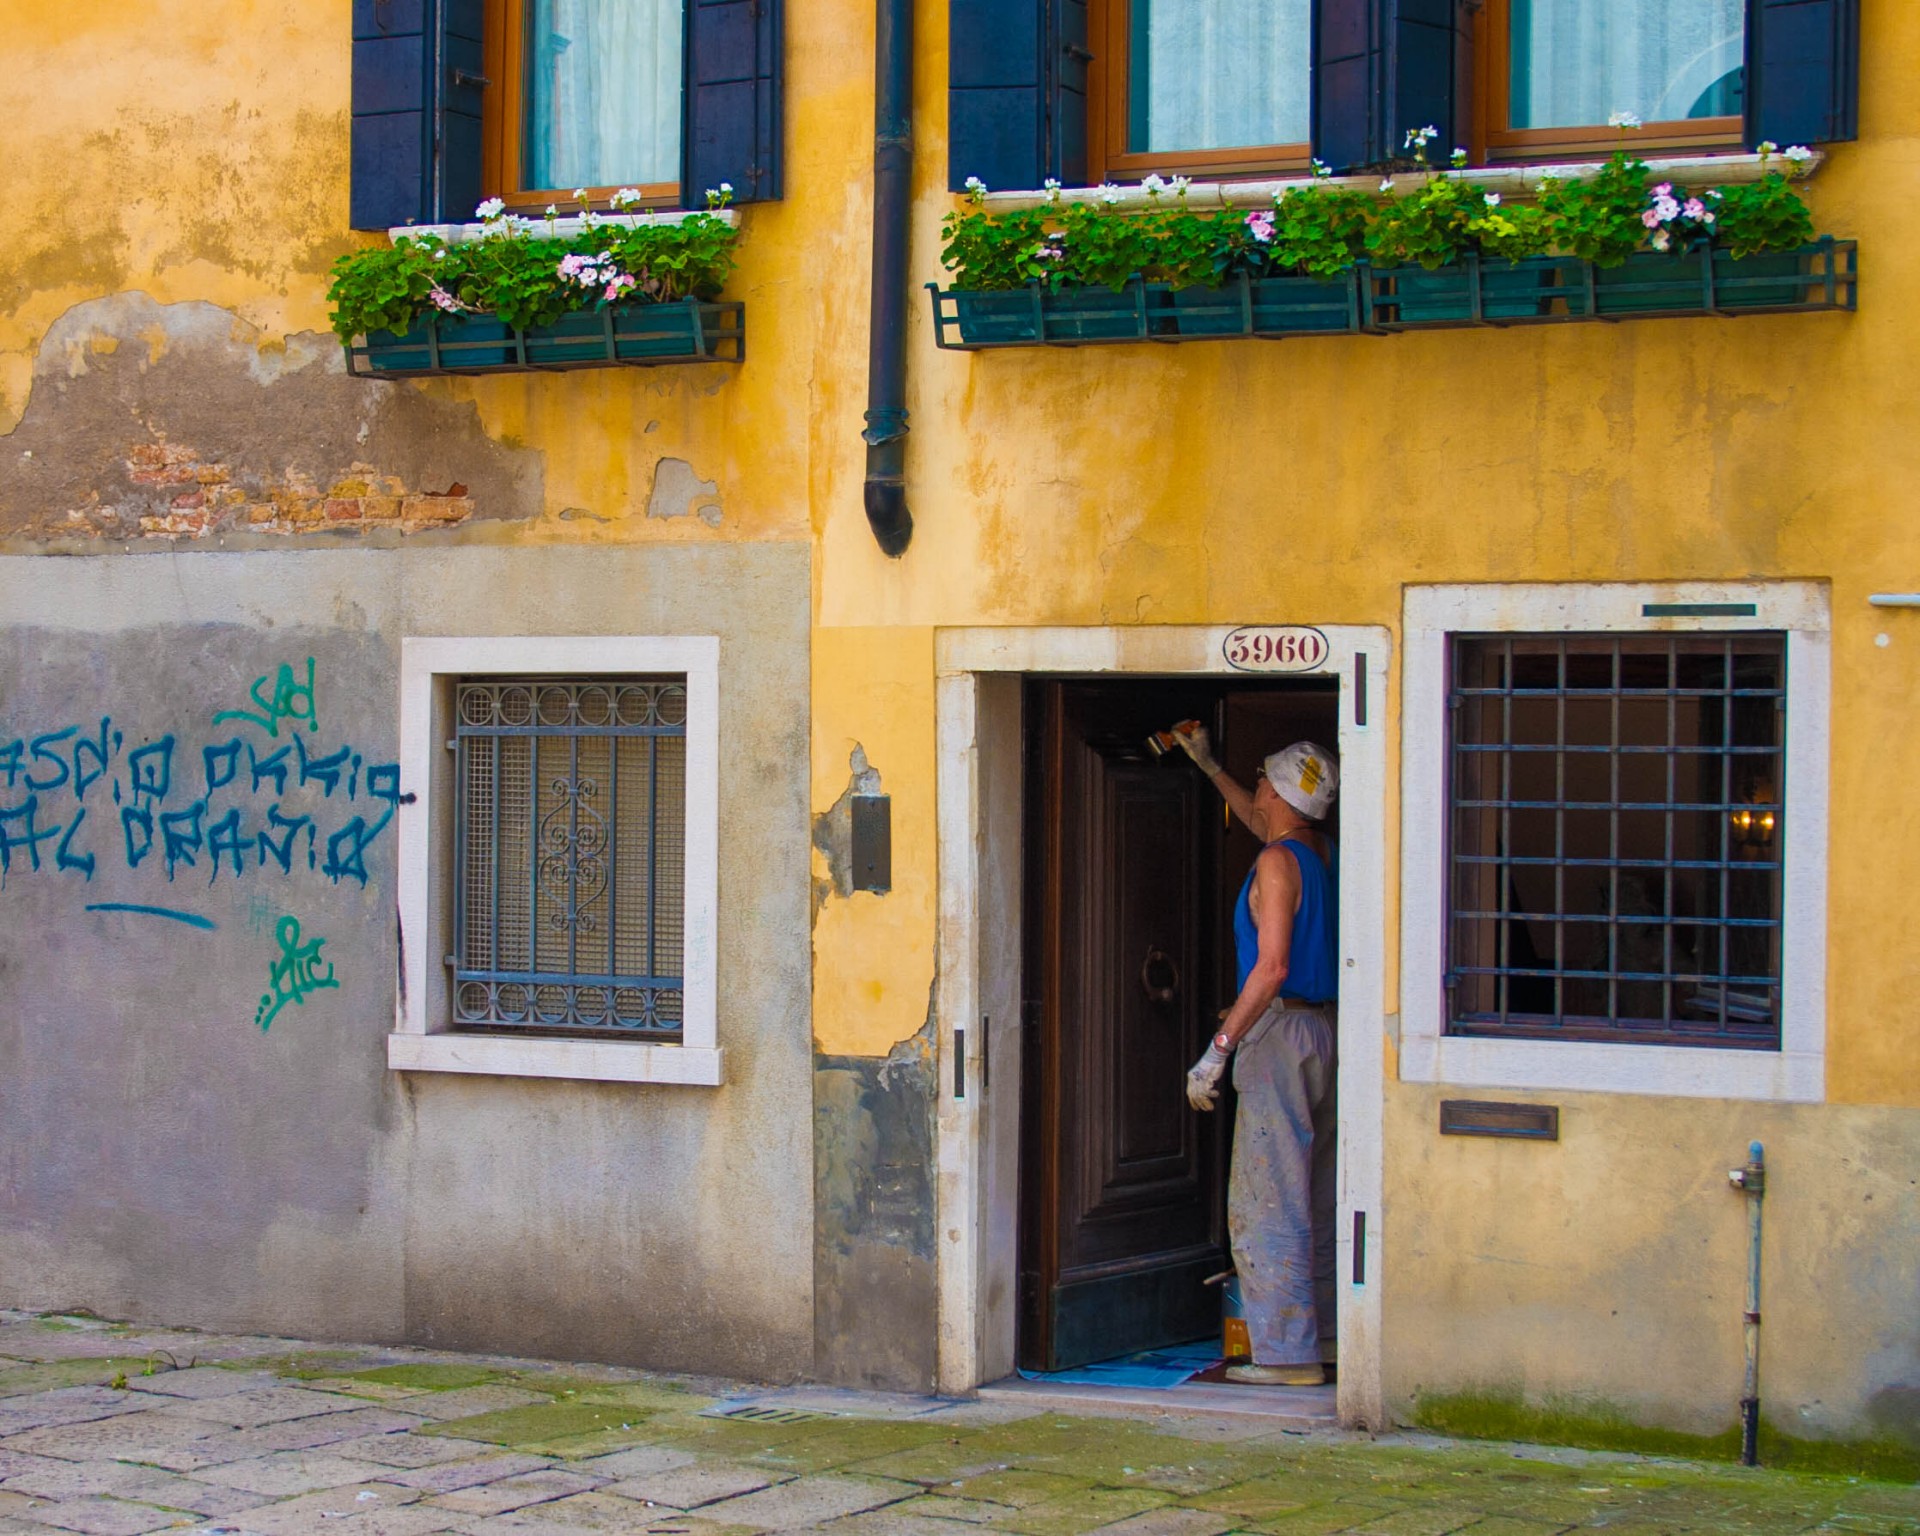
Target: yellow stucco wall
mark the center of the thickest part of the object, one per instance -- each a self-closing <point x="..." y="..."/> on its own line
<point x="198" y="151"/>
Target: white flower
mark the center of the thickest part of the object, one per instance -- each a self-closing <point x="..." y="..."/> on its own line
<point x="579" y="194"/>
<point x="1180" y="184"/>
<point x="552" y="212"/>
<point x="1493" y="199"/>
<point x="1799" y="154"/>
<point x="727" y="187"/>
<point x="1321" y="168"/>
<point x="1053" y="190"/>
<point x="1153" y="186"/>
<point x="1624" y="120"/>
<point x="1767" y="147"/>
<point x="491" y="209"/>
<point x="1109" y="193"/>
<point x="1386" y="183"/>
<point x="975" y="185"/>
<point x="626" y="197"/>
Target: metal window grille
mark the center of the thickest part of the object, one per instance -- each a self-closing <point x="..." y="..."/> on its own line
<point x="571" y="854"/>
<point x="1615" y="821"/>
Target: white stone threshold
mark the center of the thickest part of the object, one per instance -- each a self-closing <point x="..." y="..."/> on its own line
<point x="1302" y="1408"/>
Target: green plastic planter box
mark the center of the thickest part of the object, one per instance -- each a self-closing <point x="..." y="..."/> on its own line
<point x="1267" y="306"/>
<point x="1543" y="290"/>
<point x="691" y="330"/>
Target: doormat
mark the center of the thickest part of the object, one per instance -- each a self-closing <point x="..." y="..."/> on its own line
<point x="1157" y="1368"/>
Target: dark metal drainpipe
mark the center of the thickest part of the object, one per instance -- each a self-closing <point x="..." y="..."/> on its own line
<point x="886" y="433"/>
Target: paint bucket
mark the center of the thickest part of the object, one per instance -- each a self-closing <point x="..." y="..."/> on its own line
<point x="1235" y="1342"/>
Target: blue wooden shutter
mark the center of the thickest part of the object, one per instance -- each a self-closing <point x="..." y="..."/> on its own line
<point x="1803" y="71"/>
<point x="392" y="155"/>
<point x="416" y="111"/>
<point x="1382" y="68"/>
<point x="996" y="93"/>
<point x="733" y="101"/>
<point x="1067" y="92"/>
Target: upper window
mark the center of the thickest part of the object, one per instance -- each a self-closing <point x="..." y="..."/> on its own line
<point x="1616" y="826"/>
<point x="1206" y="86"/>
<point x="589" y="97"/>
<point x="1564" y="72"/>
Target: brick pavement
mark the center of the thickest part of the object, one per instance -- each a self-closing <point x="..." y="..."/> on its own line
<point x="108" y="1430"/>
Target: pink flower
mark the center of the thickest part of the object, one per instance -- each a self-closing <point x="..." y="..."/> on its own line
<point x="1650" y="219"/>
<point x="1665" y="189"/>
<point x="445" y="300"/>
<point x="1260" y="224"/>
<point x="1695" y="209"/>
<point x="620" y="283"/>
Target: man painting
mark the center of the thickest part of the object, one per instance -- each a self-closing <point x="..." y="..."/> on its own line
<point x="1279" y="1036"/>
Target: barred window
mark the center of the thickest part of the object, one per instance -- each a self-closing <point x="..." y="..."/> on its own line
<point x="1615" y="827"/>
<point x="570" y="850"/>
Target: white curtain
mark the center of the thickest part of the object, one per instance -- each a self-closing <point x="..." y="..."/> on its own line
<point x="603" y="97"/>
<point x="1578" y="62"/>
<point x="1220" y="74"/>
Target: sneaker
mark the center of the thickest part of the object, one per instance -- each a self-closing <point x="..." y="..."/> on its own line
<point x="1310" y="1375"/>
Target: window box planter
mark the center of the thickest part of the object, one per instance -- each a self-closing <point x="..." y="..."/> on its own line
<point x="1268" y="306"/>
<point x="635" y="335"/>
<point x="1036" y="316"/>
<point x="1544" y="290"/>
<point x="1473" y="292"/>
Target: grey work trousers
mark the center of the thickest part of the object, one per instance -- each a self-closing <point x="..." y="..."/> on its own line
<point x="1280" y="1197"/>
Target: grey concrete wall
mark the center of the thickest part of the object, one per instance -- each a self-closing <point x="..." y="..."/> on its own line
<point x="162" y="1155"/>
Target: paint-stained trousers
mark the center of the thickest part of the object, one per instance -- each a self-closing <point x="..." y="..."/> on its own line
<point x="1280" y="1198"/>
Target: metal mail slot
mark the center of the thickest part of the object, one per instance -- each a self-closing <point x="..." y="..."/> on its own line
<point x="1473" y="1117"/>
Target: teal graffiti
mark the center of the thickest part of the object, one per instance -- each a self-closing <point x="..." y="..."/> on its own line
<point x="290" y="700"/>
<point x="293" y="974"/>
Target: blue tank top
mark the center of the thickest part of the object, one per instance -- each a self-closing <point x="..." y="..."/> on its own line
<point x="1313" y="960"/>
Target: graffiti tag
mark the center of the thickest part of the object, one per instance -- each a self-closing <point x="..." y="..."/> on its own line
<point x="293" y="974"/>
<point x="290" y="700"/>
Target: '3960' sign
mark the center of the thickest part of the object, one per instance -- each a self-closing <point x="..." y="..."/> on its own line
<point x="1275" y="648"/>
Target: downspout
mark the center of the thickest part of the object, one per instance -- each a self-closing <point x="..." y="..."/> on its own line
<point x="1752" y="1182"/>
<point x="886" y="433"/>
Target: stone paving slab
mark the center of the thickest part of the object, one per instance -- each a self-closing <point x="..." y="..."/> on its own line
<point x="691" y="1486"/>
<point x="806" y="1501"/>
<point x="513" y="1493"/>
<point x="291" y="1473"/>
<point x="203" y="1381"/>
<point x="468" y="1474"/>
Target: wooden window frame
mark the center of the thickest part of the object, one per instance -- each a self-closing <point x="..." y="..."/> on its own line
<point x="1495" y="140"/>
<point x="503" y="124"/>
<point x="1108" y="159"/>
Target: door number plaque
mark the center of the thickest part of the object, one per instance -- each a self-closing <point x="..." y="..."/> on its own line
<point x="1275" y="648"/>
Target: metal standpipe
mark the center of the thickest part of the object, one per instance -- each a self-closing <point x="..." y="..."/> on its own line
<point x="1751" y="1181"/>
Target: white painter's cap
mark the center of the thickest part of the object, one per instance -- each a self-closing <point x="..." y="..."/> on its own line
<point x="1306" y="776"/>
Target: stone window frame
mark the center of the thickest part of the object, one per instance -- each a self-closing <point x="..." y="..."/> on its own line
<point x="1796" y="1073"/>
<point x="423" y="1039"/>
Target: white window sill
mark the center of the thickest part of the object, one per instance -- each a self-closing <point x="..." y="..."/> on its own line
<point x="567" y="228"/>
<point x="1508" y="180"/>
<point x="599" y="1061"/>
<point x="1673" y="1071"/>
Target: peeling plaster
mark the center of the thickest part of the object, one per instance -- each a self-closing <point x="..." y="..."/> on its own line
<point x="182" y="421"/>
<point x="678" y="491"/>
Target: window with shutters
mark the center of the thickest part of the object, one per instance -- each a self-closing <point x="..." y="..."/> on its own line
<point x="1560" y="74"/>
<point x="532" y="100"/>
<point x="559" y="865"/>
<point x="586" y="95"/>
<point x="1202" y="87"/>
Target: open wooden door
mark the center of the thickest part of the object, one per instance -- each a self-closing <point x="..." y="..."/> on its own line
<point x="1123" y="1209"/>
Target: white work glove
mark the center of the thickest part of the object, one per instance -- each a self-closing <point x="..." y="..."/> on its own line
<point x="1203" y="1077"/>
<point x="1195" y="744"/>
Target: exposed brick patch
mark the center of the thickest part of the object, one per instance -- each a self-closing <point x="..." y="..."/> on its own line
<point x="363" y="496"/>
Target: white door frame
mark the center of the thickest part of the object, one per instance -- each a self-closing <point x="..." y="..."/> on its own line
<point x="978" y="1286"/>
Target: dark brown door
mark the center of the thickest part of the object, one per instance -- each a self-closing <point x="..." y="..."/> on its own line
<point x="1123" y="1214"/>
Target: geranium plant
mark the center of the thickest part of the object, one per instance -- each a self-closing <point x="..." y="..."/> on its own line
<point x="524" y="272"/>
<point x="1321" y="230"/>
